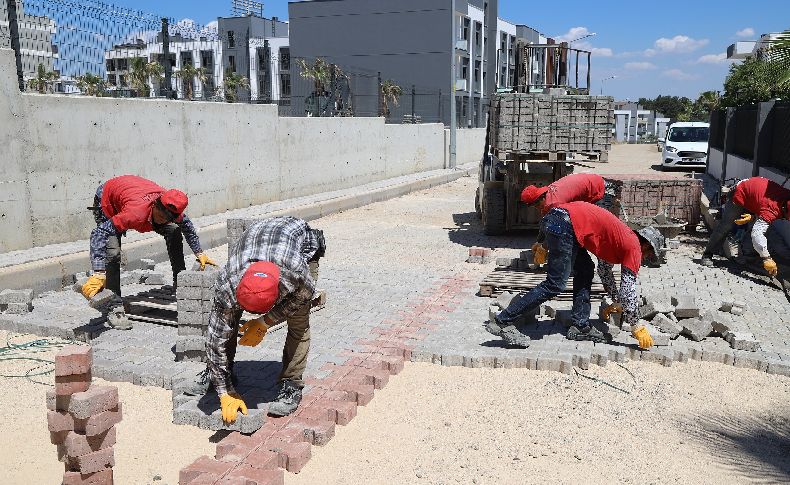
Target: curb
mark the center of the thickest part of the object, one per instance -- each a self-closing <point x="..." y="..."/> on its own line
<point x="58" y="272"/>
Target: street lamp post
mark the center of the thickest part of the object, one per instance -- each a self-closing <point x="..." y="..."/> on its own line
<point x="604" y="80"/>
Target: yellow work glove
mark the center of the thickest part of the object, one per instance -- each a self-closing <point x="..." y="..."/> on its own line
<point x="770" y="265"/>
<point x="231" y="403"/>
<point x="540" y="253"/>
<point x="613" y="308"/>
<point x="745" y="219"/>
<point x="203" y="259"/>
<point x="253" y="331"/>
<point x="643" y="337"/>
<point x="94" y="285"/>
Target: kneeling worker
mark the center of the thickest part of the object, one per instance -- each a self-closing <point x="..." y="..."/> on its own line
<point x="272" y="271"/>
<point x="131" y="202"/>
<point x="573" y="229"/>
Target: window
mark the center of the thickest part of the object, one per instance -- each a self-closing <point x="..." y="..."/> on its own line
<point x="231" y="39"/>
<point x="110" y="64"/>
<point x="477" y="72"/>
<point x="186" y="58"/>
<point x="122" y="64"/>
<point x="478" y="33"/>
<point x="464" y="68"/>
<point x="111" y="79"/>
<point x="232" y="63"/>
<point x="465" y="29"/>
<point x="285" y="86"/>
<point x="285" y="59"/>
<point x="510" y="49"/>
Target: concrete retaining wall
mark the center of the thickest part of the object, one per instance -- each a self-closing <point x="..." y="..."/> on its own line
<point x="56" y="150"/>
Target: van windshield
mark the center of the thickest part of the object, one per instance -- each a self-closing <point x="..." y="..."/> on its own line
<point x="689" y="134"/>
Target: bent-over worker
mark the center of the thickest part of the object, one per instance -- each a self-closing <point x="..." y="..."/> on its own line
<point x="573" y="230"/>
<point x="131" y="202"/>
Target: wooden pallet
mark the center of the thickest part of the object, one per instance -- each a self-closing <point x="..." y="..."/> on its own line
<point x="503" y="279"/>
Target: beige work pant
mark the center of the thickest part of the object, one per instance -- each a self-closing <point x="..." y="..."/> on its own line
<point x="297" y="342"/>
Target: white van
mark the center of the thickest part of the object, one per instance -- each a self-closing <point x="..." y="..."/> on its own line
<point x="686" y="145"/>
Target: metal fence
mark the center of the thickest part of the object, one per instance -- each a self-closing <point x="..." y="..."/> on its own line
<point x="718" y="120"/>
<point x="98" y="49"/>
<point x="745" y="130"/>
<point x="780" y="137"/>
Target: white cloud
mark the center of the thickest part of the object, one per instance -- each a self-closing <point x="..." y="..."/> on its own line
<point x="576" y="32"/>
<point x="748" y="32"/>
<point x="679" y="75"/>
<point x="680" y="44"/>
<point x="714" y="59"/>
<point x="639" y="66"/>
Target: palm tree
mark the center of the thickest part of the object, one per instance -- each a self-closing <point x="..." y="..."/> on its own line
<point x="389" y="92"/>
<point x="777" y="57"/>
<point x="187" y="74"/>
<point x="141" y="73"/>
<point x="91" y="84"/>
<point x="43" y="79"/>
<point x="232" y="82"/>
<point x="320" y="72"/>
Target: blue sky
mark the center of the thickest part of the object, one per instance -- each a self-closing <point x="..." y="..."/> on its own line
<point x="673" y="48"/>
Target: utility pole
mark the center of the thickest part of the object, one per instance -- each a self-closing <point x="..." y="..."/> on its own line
<point x="13" y="31"/>
<point x="453" y="120"/>
<point x="166" y="55"/>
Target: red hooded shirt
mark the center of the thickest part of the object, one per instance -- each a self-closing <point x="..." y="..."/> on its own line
<point x="603" y="234"/>
<point x="128" y="200"/>
<point x="585" y="187"/>
<point x="762" y="197"/>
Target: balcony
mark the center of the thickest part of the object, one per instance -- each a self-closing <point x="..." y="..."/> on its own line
<point x="462" y="44"/>
<point x="741" y="49"/>
<point x="460" y="84"/>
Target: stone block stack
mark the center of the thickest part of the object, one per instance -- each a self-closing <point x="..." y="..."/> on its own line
<point x="194" y="295"/>
<point x="82" y="418"/>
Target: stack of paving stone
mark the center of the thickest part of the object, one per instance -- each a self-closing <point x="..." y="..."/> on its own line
<point x="16" y="302"/>
<point x="668" y="317"/>
<point x="525" y="261"/>
<point x="82" y="419"/>
<point x="194" y="295"/>
<point x="480" y="255"/>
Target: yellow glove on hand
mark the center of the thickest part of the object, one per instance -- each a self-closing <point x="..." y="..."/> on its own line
<point x="613" y="308"/>
<point x="745" y="219"/>
<point x="94" y="285"/>
<point x="253" y="331"/>
<point x="231" y="403"/>
<point x="204" y="260"/>
<point x="540" y="253"/>
<point x="770" y="265"/>
<point x="643" y="336"/>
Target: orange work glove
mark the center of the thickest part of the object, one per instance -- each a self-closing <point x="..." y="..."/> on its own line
<point x="94" y="285"/>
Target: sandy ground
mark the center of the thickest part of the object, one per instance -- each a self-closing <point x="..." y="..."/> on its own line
<point x="633" y="159"/>
<point x="149" y="444"/>
<point x="691" y="423"/>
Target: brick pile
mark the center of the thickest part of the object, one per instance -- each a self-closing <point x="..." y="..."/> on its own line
<point x="525" y="261"/>
<point x="194" y="297"/>
<point x="480" y="255"/>
<point x="82" y="418"/>
<point x="16" y="302"/>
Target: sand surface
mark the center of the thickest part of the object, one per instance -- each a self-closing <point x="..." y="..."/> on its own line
<point x="149" y="444"/>
<point x="691" y="423"/>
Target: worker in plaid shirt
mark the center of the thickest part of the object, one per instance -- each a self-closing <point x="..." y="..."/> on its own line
<point x="272" y="271"/>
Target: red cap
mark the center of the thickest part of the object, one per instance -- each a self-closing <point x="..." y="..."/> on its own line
<point x="530" y="194"/>
<point x="175" y="201"/>
<point x="259" y="287"/>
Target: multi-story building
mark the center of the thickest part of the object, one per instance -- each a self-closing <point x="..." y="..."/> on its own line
<point x="748" y="48"/>
<point x="411" y="42"/>
<point x="35" y="34"/>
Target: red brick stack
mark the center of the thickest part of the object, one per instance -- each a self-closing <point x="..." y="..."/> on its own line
<point x="82" y="419"/>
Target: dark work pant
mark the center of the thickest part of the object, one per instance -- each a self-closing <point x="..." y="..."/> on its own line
<point x="565" y="254"/>
<point x="731" y="212"/>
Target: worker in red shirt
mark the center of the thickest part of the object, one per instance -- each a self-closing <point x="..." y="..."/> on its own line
<point x="578" y="187"/>
<point x="131" y="202"/>
<point x="573" y="230"/>
<point x="759" y="197"/>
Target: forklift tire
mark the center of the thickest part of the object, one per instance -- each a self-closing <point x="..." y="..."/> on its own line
<point x="477" y="204"/>
<point x="493" y="208"/>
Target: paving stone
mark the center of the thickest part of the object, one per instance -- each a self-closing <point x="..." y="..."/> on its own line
<point x="8" y="297"/>
<point x="696" y="328"/>
<point x="73" y="359"/>
<point x="667" y="325"/>
<point x="743" y="341"/>
<point x="685" y="306"/>
<point x="660" y="339"/>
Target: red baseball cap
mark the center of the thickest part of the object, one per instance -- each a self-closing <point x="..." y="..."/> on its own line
<point x="259" y="287"/>
<point x="175" y="201"/>
<point x="530" y="194"/>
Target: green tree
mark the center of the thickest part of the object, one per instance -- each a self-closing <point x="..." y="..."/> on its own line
<point x="43" y="80"/>
<point x="320" y="72"/>
<point x="231" y="84"/>
<point x="188" y="74"/>
<point x="778" y="54"/>
<point x="390" y="92"/>
<point x="91" y="85"/>
<point x="673" y="107"/>
<point x="141" y="73"/>
<point x="704" y="104"/>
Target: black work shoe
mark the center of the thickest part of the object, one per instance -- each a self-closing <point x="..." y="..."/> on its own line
<point x="587" y="332"/>
<point x="288" y="399"/>
<point x="509" y="334"/>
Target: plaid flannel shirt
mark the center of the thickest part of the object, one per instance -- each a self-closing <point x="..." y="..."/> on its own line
<point x="287" y="242"/>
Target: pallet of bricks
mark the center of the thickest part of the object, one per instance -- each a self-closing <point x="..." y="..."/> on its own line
<point x="82" y="418"/>
<point x="523" y="123"/>
<point x="194" y="296"/>
<point x="674" y="197"/>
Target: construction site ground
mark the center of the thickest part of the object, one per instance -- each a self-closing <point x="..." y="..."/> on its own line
<point x="401" y="261"/>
